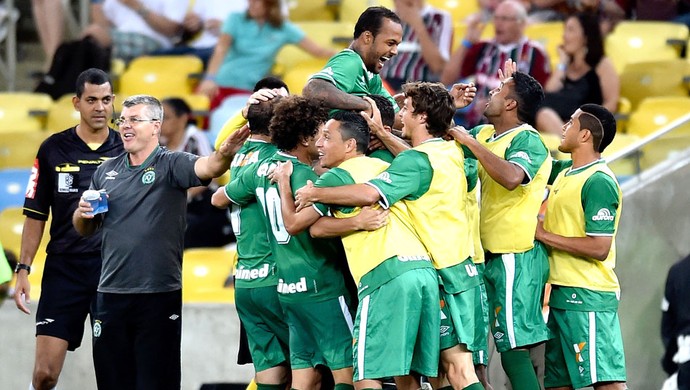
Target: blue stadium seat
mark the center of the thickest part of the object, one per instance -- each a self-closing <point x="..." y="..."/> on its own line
<point x="13" y="187"/>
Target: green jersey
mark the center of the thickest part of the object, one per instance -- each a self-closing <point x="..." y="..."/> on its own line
<point x="308" y="268"/>
<point x="255" y="263"/>
<point x="347" y="72"/>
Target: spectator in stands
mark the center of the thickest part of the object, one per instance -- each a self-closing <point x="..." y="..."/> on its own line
<point x="479" y="61"/>
<point x="425" y="46"/>
<point x="247" y="47"/>
<point x="584" y="75"/>
<point x="675" y="324"/>
<point x="132" y="28"/>
<point x="49" y="19"/>
<point x="608" y="11"/>
<point x="201" y="27"/>
<point x="207" y="226"/>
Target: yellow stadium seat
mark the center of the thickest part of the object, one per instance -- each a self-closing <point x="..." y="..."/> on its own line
<point x="458" y="9"/>
<point x="11" y="226"/>
<point x="637" y="41"/>
<point x="301" y="10"/>
<point x="350" y="10"/>
<point x="641" y="80"/>
<point x="656" y="112"/>
<point x="18" y="148"/>
<point x="336" y="35"/>
<point x="296" y="77"/>
<point x="626" y="166"/>
<point x="204" y="271"/>
<point x="553" y="141"/>
<point x="62" y="114"/>
<point x="23" y="111"/>
<point x="117" y="68"/>
<point x="161" y="76"/>
<point x="549" y="34"/>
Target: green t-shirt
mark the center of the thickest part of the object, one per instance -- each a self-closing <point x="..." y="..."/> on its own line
<point x="347" y="72"/>
<point x="408" y="177"/>
<point x="255" y="263"/>
<point x="308" y="268"/>
<point x="526" y="150"/>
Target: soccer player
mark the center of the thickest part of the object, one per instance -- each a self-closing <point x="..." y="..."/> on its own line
<point x="579" y="226"/>
<point x="354" y="72"/>
<point x="256" y="276"/>
<point x="431" y="178"/>
<point x="389" y="264"/>
<point x="311" y="287"/>
<point x="61" y="172"/>
<point x="137" y="320"/>
<point x="514" y="169"/>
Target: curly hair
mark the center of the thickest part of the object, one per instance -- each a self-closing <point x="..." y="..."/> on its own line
<point x="435" y="101"/>
<point x="295" y="119"/>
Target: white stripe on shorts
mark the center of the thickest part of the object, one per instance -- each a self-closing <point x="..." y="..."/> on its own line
<point x="509" y="265"/>
<point x="593" y="346"/>
<point x="346" y="313"/>
<point x="361" y="341"/>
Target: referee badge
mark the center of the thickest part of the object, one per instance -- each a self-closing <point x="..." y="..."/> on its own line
<point x="97" y="328"/>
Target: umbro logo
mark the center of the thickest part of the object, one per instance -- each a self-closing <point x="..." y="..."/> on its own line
<point x="110" y="175"/>
<point x="174" y="317"/>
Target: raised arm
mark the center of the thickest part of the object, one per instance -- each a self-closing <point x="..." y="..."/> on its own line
<point x="295" y="222"/>
<point x="332" y="97"/>
<point x="218" y="162"/>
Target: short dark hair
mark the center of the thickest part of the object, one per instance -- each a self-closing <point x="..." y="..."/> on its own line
<point x="270" y="82"/>
<point x="178" y="105"/>
<point x="372" y="19"/>
<point x="295" y="119"/>
<point x="529" y="95"/>
<point x="600" y="122"/>
<point x="386" y="108"/>
<point x="434" y="100"/>
<point x="259" y="116"/>
<point x="93" y="76"/>
<point x="353" y="126"/>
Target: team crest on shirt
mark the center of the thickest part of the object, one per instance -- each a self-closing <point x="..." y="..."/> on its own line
<point x="149" y="176"/>
<point x="97" y="328"/>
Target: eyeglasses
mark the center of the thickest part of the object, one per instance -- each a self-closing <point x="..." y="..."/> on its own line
<point x="132" y="121"/>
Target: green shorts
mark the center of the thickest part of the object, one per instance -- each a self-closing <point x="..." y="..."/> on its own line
<point x="320" y="333"/>
<point x="587" y="348"/>
<point x="396" y="329"/>
<point x="481" y="354"/>
<point x="462" y="319"/>
<point x="264" y="320"/>
<point x="515" y="288"/>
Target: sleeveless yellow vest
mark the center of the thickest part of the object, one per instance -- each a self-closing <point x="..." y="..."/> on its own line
<point x="367" y="249"/>
<point x="440" y="216"/>
<point x="565" y="217"/>
<point x="508" y="219"/>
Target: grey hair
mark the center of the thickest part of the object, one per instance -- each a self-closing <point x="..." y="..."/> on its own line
<point x="153" y="106"/>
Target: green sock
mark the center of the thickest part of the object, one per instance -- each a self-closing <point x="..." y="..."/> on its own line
<point x="261" y="386"/>
<point x="474" y="386"/>
<point x="518" y="367"/>
<point x="343" y="386"/>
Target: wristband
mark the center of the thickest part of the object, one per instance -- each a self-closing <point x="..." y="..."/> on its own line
<point x="561" y="67"/>
<point x="466" y="43"/>
<point x="210" y="77"/>
<point x="21" y="266"/>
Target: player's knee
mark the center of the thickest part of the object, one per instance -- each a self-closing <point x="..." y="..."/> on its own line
<point x="45" y="378"/>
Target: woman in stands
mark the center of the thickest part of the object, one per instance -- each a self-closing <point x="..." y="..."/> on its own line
<point x="584" y="75"/>
<point x="247" y="48"/>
